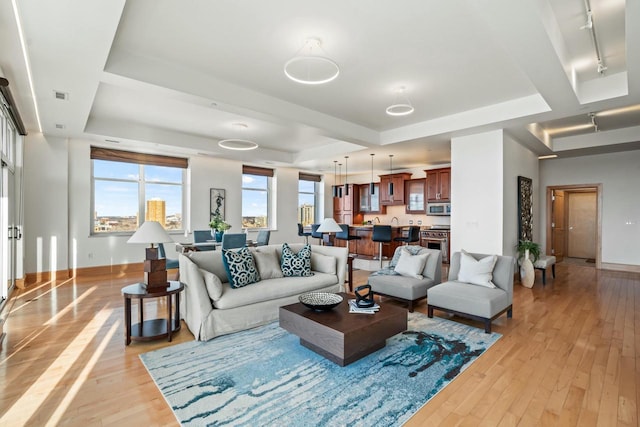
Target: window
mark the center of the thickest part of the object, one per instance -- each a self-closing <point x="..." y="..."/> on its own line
<point x="256" y="197"/>
<point x="130" y="186"/>
<point x="308" y="198"/>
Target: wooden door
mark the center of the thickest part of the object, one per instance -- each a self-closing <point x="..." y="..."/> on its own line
<point x="558" y="230"/>
<point x="581" y="237"/>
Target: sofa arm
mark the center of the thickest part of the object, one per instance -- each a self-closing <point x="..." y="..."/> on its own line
<point x="195" y="305"/>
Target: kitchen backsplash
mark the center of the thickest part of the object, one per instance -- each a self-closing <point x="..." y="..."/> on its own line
<point x="404" y="218"/>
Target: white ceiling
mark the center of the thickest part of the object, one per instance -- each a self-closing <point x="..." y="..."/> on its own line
<point x="173" y="76"/>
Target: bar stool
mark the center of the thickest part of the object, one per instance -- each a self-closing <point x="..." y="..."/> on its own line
<point x="381" y="234"/>
<point x="302" y="233"/>
<point x="413" y="235"/>
<point x="344" y="235"/>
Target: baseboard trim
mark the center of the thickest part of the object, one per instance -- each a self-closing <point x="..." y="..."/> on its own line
<point x="117" y="270"/>
<point x="45" y="276"/>
<point x="109" y="270"/>
<point x="620" y="267"/>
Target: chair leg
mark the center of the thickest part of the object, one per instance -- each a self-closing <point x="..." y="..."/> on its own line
<point x="410" y="306"/>
<point x="544" y="276"/>
<point x="429" y="311"/>
<point x="380" y="253"/>
<point x="487" y="326"/>
<point x="553" y="270"/>
<point x="510" y="313"/>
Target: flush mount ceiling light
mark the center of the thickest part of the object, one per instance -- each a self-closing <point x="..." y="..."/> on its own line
<point x="309" y="66"/>
<point x="238" y="143"/>
<point x="401" y="105"/>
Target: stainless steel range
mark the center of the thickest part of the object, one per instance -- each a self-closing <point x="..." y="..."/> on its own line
<point x="437" y="237"/>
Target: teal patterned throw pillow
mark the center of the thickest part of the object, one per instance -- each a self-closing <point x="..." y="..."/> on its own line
<point x="296" y="265"/>
<point x="240" y="267"/>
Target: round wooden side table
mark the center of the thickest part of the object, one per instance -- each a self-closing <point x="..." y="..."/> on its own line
<point x="153" y="329"/>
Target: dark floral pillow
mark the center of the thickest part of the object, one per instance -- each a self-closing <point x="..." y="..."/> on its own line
<point x="296" y="265"/>
<point x="240" y="267"/>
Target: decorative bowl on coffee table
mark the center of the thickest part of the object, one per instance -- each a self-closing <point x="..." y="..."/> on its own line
<point x="320" y="301"/>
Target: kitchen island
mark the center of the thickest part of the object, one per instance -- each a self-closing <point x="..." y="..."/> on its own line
<point x="366" y="247"/>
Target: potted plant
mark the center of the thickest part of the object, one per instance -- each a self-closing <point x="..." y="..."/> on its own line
<point x="218" y="227"/>
<point x="527" y="245"/>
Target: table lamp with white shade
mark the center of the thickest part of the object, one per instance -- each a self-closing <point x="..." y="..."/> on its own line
<point x="328" y="226"/>
<point x="155" y="269"/>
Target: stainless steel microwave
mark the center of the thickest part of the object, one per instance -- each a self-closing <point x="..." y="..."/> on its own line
<point x="439" y="208"/>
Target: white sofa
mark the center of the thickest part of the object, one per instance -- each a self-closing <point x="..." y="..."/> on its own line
<point x="210" y="307"/>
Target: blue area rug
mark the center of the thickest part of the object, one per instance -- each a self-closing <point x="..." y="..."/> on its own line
<point x="264" y="377"/>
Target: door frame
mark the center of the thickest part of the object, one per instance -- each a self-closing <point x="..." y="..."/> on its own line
<point x="577" y="187"/>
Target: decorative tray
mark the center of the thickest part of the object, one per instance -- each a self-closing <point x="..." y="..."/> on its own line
<point x="320" y="301"/>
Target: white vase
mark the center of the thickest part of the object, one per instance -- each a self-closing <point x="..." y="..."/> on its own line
<point x="527" y="273"/>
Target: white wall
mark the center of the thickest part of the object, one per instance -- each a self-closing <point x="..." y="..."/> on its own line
<point x="45" y="204"/>
<point x="58" y="220"/>
<point x="619" y="174"/>
<point x="518" y="161"/>
<point x="477" y="192"/>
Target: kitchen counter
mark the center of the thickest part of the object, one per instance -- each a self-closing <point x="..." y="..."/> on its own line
<point x="365" y="247"/>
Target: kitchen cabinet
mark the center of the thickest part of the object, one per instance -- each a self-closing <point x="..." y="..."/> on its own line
<point x="343" y="206"/>
<point x="397" y="198"/>
<point x="370" y="203"/>
<point x="415" y="196"/>
<point x="438" y="185"/>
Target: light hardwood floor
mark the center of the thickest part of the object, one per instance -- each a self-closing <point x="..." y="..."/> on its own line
<point x="569" y="356"/>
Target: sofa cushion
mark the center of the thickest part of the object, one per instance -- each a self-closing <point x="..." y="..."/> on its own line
<point x="210" y="261"/>
<point x="273" y="289"/>
<point x="411" y="265"/>
<point x="323" y="263"/>
<point x="296" y="264"/>
<point x="403" y="287"/>
<point x="477" y="272"/>
<point x="241" y="269"/>
<point x="464" y="298"/>
<point x="213" y="284"/>
<point x="267" y="262"/>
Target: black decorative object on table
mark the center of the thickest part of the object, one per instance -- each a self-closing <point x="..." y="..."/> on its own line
<point x="364" y="296"/>
<point x="320" y="301"/>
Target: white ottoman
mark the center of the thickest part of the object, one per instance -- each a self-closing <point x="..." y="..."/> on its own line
<point x="544" y="262"/>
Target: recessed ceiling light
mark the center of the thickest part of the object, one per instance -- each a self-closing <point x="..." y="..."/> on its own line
<point x="112" y="141"/>
<point x="549" y="156"/>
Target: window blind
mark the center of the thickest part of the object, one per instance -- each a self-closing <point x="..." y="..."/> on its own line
<point x="100" y="153"/>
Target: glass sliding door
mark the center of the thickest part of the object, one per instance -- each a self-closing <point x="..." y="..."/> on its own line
<point x="9" y="231"/>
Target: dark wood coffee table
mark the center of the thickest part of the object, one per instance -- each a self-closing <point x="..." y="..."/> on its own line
<point x="340" y="336"/>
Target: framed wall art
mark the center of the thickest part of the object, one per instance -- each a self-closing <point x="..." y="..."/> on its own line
<point x="525" y="208"/>
<point x="217" y="203"/>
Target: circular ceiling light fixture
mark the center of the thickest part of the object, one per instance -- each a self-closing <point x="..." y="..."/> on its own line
<point x="309" y="66"/>
<point x="401" y="105"/>
<point x="238" y="144"/>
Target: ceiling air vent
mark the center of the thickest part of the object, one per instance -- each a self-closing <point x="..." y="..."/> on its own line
<point x="59" y="126"/>
<point x="63" y="96"/>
